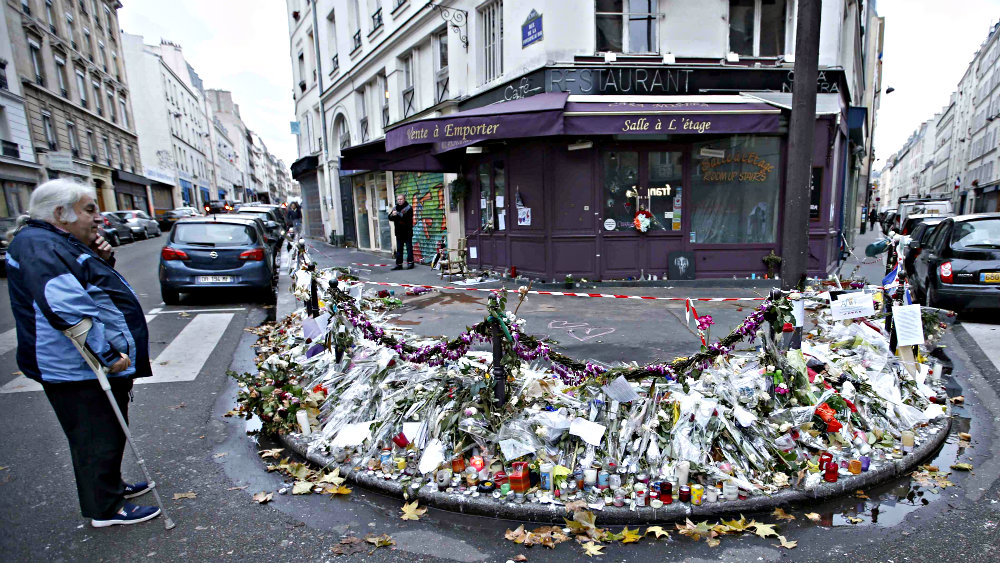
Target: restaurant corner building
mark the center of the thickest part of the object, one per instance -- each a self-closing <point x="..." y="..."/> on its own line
<point x="547" y="171"/>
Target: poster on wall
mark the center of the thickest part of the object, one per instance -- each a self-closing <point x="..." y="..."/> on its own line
<point x="680" y="266"/>
<point x="524" y="216"/>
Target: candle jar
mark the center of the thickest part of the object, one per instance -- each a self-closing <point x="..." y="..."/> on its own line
<point x="505" y="489"/>
<point x="400" y="440"/>
<point x="615" y="481"/>
<point x="685" y="493"/>
<point x="458" y="464"/>
<point x="712" y="494"/>
<point x="831" y="472"/>
<point x="907" y="439"/>
<point x="640" y="497"/>
<point x="589" y="478"/>
<point x="865" y="462"/>
<point x="697" y="494"/>
<point x="730" y="491"/>
<point x="443" y="477"/>
<point x="824" y="458"/>
<point x="619" y="498"/>
<point x="854" y="466"/>
<point x="471" y="476"/>
<point x="603" y="479"/>
<point x="674" y="487"/>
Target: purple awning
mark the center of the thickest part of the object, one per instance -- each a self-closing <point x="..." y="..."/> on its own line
<point x="642" y="118"/>
<point x="536" y="116"/>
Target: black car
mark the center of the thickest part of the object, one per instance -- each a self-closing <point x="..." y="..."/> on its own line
<point x="168" y="218"/>
<point x="920" y="235"/>
<point x="913" y="220"/>
<point x="116" y="231"/>
<point x="270" y="218"/>
<point x="959" y="265"/>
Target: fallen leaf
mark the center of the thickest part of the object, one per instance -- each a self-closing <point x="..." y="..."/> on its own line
<point x="694" y="531"/>
<point x="17" y="373"/>
<point x="737" y="525"/>
<point x="855" y="520"/>
<point x="384" y="540"/>
<point x="223" y="454"/>
<point x="780" y="514"/>
<point x="630" y="536"/>
<point x="575" y="505"/>
<point x="813" y="516"/>
<point x="965" y="436"/>
<point x="337" y="490"/>
<point x="183" y="314"/>
<point x="333" y="477"/>
<point x="958" y="400"/>
<point x="263" y="498"/>
<point x="785" y="543"/>
<point x="302" y="488"/>
<point x="520" y="557"/>
<point x="962" y="466"/>
<point x="516" y="535"/>
<point x="713" y="542"/>
<point x="412" y="512"/>
<point x="237" y="488"/>
<point x="763" y="530"/>
<point x="264" y="454"/>
<point x="591" y="549"/>
<point x="179" y="496"/>
<point x="660" y="532"/>
<point x="349" y="545"/>
<point x="860" y="494"/>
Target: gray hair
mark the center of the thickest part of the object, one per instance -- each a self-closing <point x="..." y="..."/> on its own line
<point x="56" y="194"/>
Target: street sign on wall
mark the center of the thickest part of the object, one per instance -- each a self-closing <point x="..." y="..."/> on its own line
<point x="531" y="30"/>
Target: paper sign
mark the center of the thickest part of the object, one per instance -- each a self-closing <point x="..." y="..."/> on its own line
<point x="850" y="305"/>
<point x="609" y="224"/>
<point x="590" y="432"/>
<point x="502" y="221"/>
<point x="352" y="435"/>
<point x="799" y="312"/>
<point x="310" y="328"/>
<point x="524" y="216"/>
<point x="620" y="390"/>
<point x="410" y="430"/>
<point x="482" y="203"/>
<point x="316" y="349"/>
<point x="909" y="325"/>
<point x="472" y="252"/>
<point x="499" y="200"/>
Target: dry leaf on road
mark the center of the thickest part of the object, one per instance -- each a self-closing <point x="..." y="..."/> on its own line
<point x="660" y="532"/>
<point x="813" y="516"/>
<point x="263" y="498"/>
<point x="591" y="549"/>
<point x="785" y="543"/>
<point x="190" y="494"/>
<point x="780" y="514"/>
<point x="412" y="512"/>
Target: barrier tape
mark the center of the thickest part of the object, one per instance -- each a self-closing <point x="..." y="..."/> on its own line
<point x="572" y="294"/>
<point x="370" y="265"/>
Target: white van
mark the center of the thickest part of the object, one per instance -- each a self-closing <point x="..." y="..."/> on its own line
<point x="909" y="207"/>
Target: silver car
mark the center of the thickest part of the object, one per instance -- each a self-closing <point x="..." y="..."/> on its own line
<point x="142" y="225"/>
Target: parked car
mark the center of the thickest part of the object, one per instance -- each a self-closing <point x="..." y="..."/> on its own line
<point x="959" y="266"/>
<point x="6" y="224"/>
<point x="270" y="218"/>
<point x="920" y="235"/>
<point x="116" y="231"/>
<point x="142" y="225"/>
<point x="915" y="219"/>
<point x="216" y="252"/>
<point x="889" y="221"/>
<point x="219" y="206"/>
<point x="168" y="218"/>
<point x="926" y="206"/>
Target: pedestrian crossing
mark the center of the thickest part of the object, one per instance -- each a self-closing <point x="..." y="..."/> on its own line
<point x="182" y="359"/>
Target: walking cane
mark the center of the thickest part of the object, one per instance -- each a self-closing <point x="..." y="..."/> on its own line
<point x="78" y="334"/>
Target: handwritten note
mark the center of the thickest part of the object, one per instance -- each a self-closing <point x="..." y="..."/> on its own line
<point x="590" y="432"/>
<point x="620" y="390"/>
<point x="850" y="305"/>
<point x="909" y="325"/>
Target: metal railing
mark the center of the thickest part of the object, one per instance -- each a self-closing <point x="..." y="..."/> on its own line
<point x="376" y="20"/>
<point x="10" y="149"/>
<point x="407" y="102"/>
<point x="357" y="40"/>
<point x="336" y="64"/>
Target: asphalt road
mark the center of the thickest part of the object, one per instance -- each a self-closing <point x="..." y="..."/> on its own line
<point x="191" y="447"/>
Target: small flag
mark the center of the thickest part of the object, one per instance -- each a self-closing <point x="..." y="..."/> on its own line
<point x="906" y="296"/>
<point x="890" y="279"/>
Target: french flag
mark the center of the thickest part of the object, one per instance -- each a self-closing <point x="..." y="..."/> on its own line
<point x="890" y="279"/>
<point x="958" y="182"/>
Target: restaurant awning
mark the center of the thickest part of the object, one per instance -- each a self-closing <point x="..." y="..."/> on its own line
<point x="420" y="145"/>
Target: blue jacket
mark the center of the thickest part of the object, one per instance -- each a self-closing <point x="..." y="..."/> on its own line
<point x="55" y="281"/>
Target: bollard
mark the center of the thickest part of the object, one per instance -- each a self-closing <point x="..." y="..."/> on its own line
<point x="312" y="307"/>
<point x="499" y="375"/>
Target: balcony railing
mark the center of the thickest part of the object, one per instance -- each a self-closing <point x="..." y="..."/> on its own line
<point x="3" y="80"/>
<point x="376" y="20"/>
<point x="441" y="93"/>
<point x="335" y="64"/>
<point x="407" y="102"/>
<point x="10" y="149"/>
<point x="357" y="40"/>
<point x="364" y="129"/>
<point x="385" y="114"/>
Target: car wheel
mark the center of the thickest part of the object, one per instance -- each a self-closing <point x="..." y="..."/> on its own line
<point x="170" y="296"/>
<point x="269" y="296"/>
<point x="113" y="239"/>
<point x="158" y="231"/>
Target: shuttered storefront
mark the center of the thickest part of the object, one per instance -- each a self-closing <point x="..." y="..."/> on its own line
<point x="425" y="192"/>
<point x="163" y="198"/>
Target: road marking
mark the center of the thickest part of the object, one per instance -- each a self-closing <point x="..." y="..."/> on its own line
<point x="199" y="311"/>
<point x="184" y="357"/>
<point x="987" y="336"/>
<point x="181" y="360"/>
<point x="154" y="311"/>
<point x="8" y="341"/>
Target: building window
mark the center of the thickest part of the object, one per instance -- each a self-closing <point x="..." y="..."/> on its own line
<point x="491" y="18"/>
<point x="114" y="65"/>
<point x="734" y="199"/>
<point x="104" y="55"/>
<point x="354" y="13"/>
<point x="25" y="7"/>
<point x="50" y="16"/>
<point x="36" y="62"/>
<point x="407" y="90"/>
<point x="492" y="190"/>
<point x="626" y="26"/>
<point x="97" y="98"/>
<point x="440" y="45"/>
<point x="88" y="47"/>
<point x="81" y="85"/>
<point x="121" y="157"/>
<point x="124" y="110"/>
<point x="757" y="27"/>
<point x="642" y="181"/>
<point x="362" y="114"/>
<point x="92" y="145"/>
<point x="107" y="21"/>
<point x="74" y="141"/>
<point x="376" y="16"/>
<point x="69" y="29"/>
<point x="345" y="134"/>
<point x="50" y="132"/>
<point x="111" y="107"/>
<point x="383" y="91"/>
<point x="107" y="149"/>
<point x="331" y="34"/>
<point x="61" y="77"/>
<point x="3" y="75"/>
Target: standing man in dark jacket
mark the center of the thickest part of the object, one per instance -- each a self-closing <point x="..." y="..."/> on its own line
<point x="402" y="216"/>
<point x="61" y="272"/>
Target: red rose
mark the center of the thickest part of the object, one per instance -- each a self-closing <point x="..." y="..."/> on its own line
<point x="787" y="327"/>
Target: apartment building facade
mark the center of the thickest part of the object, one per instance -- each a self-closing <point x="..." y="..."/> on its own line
<point x="542" y="143"/>
<point x="19" y="170"/>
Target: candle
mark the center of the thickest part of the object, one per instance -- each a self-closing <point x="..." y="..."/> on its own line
<point x="712" y="494"/>
<point x="590" y="477"/>
<point x="603" y="478"/>
<point x="729" y="490"/>
<point x="865" y="462"/>
<point x="546" y="474"/>
<point x="854" y="466"/>
<point x="907" y="440"/>
<point x="824" y="458"/>
<point x="683" y="472"/>
<point x="685" y="493"/>
<point x="697" y="494"/>
<point x="832" y="469"/>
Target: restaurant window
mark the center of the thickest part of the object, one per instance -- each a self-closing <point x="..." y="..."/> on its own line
<point x="621" y="180"/>
<point x="491" y="30"/>
<point x="735" y="189"/>
<point x="626" y="26"/>
<point x="757" y="27"/>
<point x="493" y="195"/>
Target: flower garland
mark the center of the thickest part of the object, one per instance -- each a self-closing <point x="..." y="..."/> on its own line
<point x="642" y="220"/>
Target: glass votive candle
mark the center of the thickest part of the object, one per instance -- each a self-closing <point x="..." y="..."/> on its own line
<point x="685" y="493"/>
<point x="830" y="474"/>
<point x="854" y="466"/>
<point x="865" y="462"/>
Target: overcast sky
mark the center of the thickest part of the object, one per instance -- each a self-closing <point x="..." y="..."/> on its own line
<point x="928" y="47"/>
<point x="236" y="45"/>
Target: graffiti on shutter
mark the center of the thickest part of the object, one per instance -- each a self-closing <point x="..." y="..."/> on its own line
<point x="425" y="192"/>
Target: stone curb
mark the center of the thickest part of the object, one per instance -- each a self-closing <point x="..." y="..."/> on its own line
<point x="550" y="513"/>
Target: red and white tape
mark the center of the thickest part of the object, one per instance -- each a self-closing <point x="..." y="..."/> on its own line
<point x="371" y="265"/>
<point x="572" y="294"/>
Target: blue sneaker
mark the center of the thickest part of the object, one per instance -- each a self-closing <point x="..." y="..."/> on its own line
<point x="137" y="489"/>
<point x="129" y="514"/>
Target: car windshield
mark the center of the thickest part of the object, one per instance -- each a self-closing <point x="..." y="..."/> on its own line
<point x="214" y="234"/>
<point x="984" y="233"/>
<point x="264" y="215"/>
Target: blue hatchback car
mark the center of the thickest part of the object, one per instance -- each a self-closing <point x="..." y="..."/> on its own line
<point x="216" y="252"/>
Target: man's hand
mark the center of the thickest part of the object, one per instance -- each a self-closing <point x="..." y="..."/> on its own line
<point x="102" y="248"/>
<point x="121" y="365"/>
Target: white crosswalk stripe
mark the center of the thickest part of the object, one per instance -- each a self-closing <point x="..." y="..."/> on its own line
<point x="181" y="360"/>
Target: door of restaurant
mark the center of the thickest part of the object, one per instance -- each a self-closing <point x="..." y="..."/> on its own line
<point x="489" y="239"/>
<point x="648" y="182"/>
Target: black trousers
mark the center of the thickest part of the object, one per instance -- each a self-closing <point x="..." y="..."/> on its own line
<point x="402" y="242"/>
<point x="96" y="441"/>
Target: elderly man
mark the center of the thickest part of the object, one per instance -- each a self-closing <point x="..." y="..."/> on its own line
<point x="402" y="217"/>
<point x="60" y="272"/>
